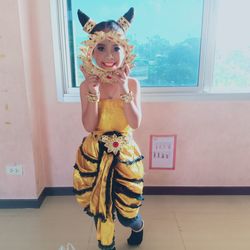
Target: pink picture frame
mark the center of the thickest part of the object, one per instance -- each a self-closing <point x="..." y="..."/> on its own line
<point x="162" y="152"/>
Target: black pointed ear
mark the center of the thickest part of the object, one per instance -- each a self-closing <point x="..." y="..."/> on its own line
<point x="126" y="19"/>
<point x="129" y="15"/>
<point x="85" y="21"/>
<point x="83" y="18"/>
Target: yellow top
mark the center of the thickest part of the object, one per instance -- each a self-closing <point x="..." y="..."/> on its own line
<point x="112" y="116"/>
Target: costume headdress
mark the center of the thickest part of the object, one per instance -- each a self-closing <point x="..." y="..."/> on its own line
<point x="126" y="19"/>
<point x="85" y="21"/>
<point x="88" y="24"/>
<point x="98" y="36"/>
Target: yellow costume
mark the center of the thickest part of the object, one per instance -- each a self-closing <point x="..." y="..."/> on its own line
<point x="108" y="173"/>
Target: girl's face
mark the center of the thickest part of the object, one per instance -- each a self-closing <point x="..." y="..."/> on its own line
<point x="108" y="55"/>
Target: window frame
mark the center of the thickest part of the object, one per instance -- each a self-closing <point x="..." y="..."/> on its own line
<point x="67" y="93"/>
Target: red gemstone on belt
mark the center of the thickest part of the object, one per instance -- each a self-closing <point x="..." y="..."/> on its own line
<point x="115" y="144"/>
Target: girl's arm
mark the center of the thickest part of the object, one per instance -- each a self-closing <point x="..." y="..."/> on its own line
<point x="89" y="109"/>
<point x="133" y="109"/>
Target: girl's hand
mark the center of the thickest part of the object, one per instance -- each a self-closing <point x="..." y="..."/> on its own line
<point x="121" y="78"/>
<point x="92" y="81"/>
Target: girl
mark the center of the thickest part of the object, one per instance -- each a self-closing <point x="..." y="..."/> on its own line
<point x="108" y="175"/>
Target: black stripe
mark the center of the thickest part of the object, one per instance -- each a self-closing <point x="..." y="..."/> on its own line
<point x="141" y="157"/>
<point x="89" y="174"/>
<point x="82" y="191"/>
<point x="118" y="188"/>
<point x="125" y="219"/>
<point x="98" y="215"/>
<point x="79" y="192"/>
<point x="126" y="205"/>
<point x="84" y="138"/>
<point x="119" y="176"/>
<point x="111" y="246"/>
<point x="88" y="158"/>
<point x="109" y="195"/>
<point x="113" y="133"/>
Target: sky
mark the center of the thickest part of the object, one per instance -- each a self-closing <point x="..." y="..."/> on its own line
<point x="174" y="20"/>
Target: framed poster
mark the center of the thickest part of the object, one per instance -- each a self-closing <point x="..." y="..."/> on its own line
<point x="162" y="152"/>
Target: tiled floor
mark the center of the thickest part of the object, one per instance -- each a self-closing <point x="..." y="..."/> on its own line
<point x="171" y="223"/>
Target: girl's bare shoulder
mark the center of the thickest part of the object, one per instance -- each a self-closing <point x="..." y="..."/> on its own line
<point x="134" y="84"/>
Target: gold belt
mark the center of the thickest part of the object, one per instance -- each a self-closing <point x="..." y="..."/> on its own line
<point x="113" y="142"/>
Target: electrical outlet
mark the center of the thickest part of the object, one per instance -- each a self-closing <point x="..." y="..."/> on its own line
<point x="16" y="169"/>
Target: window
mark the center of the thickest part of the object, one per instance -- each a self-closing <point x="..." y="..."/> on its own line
<point x="180" y="45"/>
<point x="232" y="53"/>
<point x="166" y="36"/>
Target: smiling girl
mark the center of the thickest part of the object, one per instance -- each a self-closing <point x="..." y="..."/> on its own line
<point x="108" y="175"/>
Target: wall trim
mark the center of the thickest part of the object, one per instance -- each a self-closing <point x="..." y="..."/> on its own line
<point x="23" y="203"/>
<point x="148" y="190"/>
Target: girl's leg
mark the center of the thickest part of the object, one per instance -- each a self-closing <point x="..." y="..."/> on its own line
<point x="96" y="220"/>
<point x="136" y="224"/>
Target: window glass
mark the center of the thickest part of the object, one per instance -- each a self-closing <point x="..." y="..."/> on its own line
<point x="166" y="35"/>
<point x="232" y="54"/>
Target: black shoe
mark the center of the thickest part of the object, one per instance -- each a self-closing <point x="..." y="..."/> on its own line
<point x="136" y="237"/>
